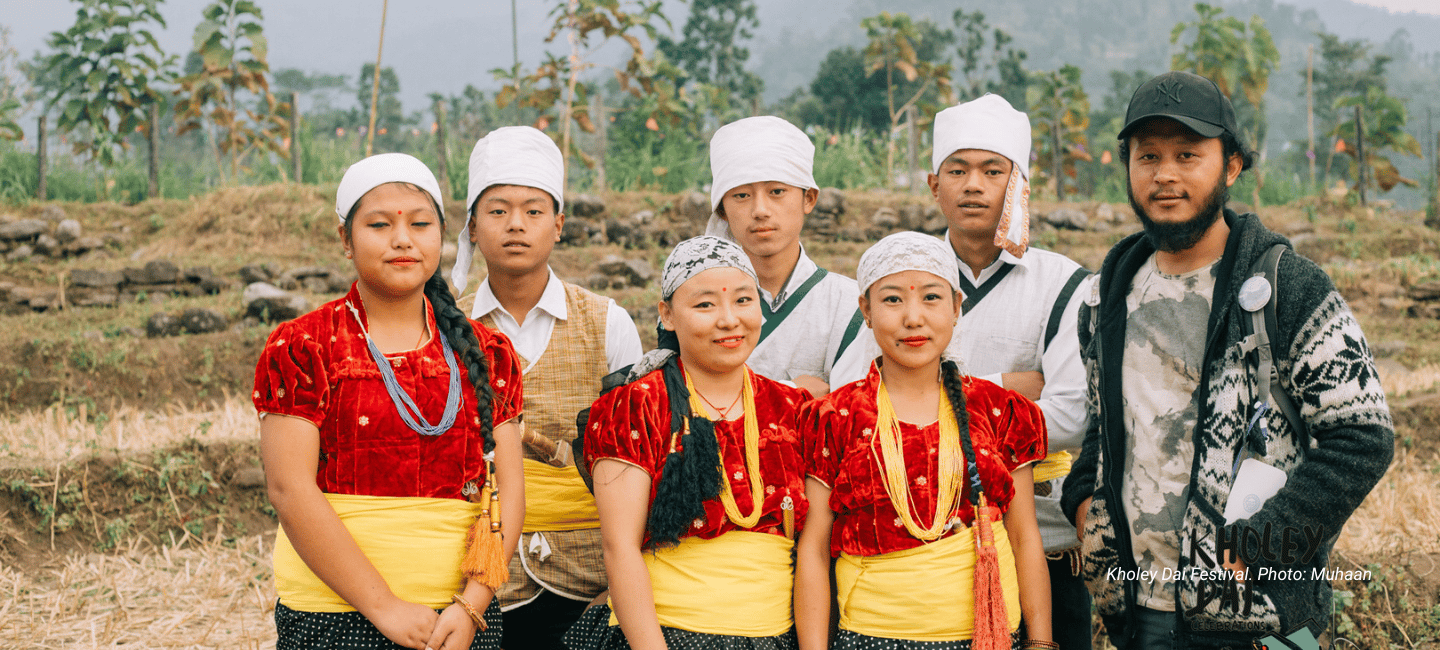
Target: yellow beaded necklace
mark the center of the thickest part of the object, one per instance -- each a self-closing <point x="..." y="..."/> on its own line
<point x="897" y="481"/>
<point x="752" y="456"/>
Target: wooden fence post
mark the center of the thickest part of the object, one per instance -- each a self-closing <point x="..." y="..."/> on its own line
<point x="1360" y="150"/>
<point x="602" y="126"/>
<point x="1057" y="159"/>
<point x="295" y="167"/>
<point x="912" y="147"/>
<point x="40" y="192"/>
<point x="442" y="152"/>
<point x="152" y="188"/>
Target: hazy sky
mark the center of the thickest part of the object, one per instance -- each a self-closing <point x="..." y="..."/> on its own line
<point x="445" y="44"/>
<point x="1401" y="6"/>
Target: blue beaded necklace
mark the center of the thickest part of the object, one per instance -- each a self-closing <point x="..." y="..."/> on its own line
<point x="409" y="412"/>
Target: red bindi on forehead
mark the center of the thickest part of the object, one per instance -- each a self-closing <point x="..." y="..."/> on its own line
<point x="724" y="289"/>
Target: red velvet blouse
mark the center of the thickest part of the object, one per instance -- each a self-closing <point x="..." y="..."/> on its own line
<point x="632" y="424"/>
<point x="318" y="367"/>
<point x="1006" y="429"/>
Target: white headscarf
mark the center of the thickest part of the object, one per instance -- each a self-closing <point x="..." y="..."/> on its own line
<point x="378" y="170"/>
<point x="699" y="254"/>
<point x="509" y="155"/>
<point x="755" y="150"/>
<point x="907" y="251"/>
<point x="689" y="259"/>
<point x="991" y="124"/>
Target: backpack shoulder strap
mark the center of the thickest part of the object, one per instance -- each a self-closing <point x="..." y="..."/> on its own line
<point x="1258" y="328"/>
<point x="1058" y="310"/>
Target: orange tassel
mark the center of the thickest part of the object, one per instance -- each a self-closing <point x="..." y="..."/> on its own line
<point x="991" y="622"/>
<point x="484" y="548"/>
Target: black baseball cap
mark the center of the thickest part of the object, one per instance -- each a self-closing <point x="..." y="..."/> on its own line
<point x="1185" y="97"/>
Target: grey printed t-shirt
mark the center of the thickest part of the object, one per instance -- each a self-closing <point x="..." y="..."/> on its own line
<point x="1164" y="353"/>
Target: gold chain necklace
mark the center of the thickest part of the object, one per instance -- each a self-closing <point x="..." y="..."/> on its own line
<point x="752" y="456"/>
<point x="897" y="481"/>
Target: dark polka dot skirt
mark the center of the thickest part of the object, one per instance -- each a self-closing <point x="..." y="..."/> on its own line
<point x="847" y="640"/>
<point x="593" y="632"/>
<point x="351" y="630"/>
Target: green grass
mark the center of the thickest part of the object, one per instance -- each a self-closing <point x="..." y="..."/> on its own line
<point x="853" y="161"/>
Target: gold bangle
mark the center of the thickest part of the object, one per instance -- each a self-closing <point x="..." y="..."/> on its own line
<point x="1037" y="644"/>
<point x="470" y="609"/>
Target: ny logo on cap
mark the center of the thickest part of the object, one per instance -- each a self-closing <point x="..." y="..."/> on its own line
<point x="1167" y="90"/>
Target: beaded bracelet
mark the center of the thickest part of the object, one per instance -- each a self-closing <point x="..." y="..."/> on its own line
<point x="1037" y="644"/>
<point x="480" y="625"/>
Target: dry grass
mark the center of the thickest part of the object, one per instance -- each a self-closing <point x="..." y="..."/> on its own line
<point x="192" y="594"/>
<point x="1418" y="380"/>
<point x="1402" y="513"/>
<point x="56" y="435"/>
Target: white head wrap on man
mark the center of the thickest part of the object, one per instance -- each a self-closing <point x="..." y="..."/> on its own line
<point x="756" y="150"/>
<point x="991" y="124"/>
<point x="907" y="251"/>
<point x="509" y="155"/>
<point x="380" y="169"/>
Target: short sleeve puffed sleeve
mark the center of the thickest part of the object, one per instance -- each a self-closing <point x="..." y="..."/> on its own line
<point x="505" y="373"/>
<point x="816" y="425"/>
<point x="1021" y="429"/>
<point x="631" y="424"/>
<point x="292" y="375"/>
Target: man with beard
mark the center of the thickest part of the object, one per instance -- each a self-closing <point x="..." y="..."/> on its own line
<point x="1175" y="403"/>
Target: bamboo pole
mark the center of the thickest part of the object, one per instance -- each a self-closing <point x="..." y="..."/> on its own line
<point x="912" y="147"/>
<point x="602" y="127"/>
<point x="40" y="190"/>
<point x="1435" y="197"/>
<point x="1057" y="161"/>
<point x="1310" y="110"/>
<point x="375" y="84"/>
<point x="442" y="153"/>
<point x="152" y="188"/>
<point x="515" y="53"/>
<point x="1360" y="150"/>
<point x="295" y="167"/>
<point x="567" y="117"/>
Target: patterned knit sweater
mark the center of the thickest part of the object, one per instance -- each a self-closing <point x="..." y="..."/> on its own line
<point x="1325" y="365"/>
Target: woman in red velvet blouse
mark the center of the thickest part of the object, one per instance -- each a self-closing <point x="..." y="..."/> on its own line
<point x="905" y="458"/>
<point x="698" y="474"/>
<point x="379" y="410"/>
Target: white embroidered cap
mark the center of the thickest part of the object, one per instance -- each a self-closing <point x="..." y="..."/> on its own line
<point x="698" y="254"/>
<point x="991" y="124"/>
<point x="509" y="155"/>
<point x="755" y="150"/>
<point x="380" y="169"/>
<point x="907" y="251"/>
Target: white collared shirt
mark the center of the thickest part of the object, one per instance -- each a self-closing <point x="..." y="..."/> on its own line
<point x="622" y="340"/>
<point x="808" y="340"/>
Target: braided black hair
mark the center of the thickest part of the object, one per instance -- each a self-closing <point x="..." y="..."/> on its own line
<point x="450" y="320"/>
<point x="952" y="382"/>
<point x="456" y="327"/>
<point x="691" y="473"/>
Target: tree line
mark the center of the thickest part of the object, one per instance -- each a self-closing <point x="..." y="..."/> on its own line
<point x="643" y="121"/>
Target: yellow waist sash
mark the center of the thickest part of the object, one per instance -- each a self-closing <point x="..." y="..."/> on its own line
<point x="738" y="584"/>
<point x="921" y="594"/>
<point x="1053" y="466"/>
<point x="415" y="543"/>
<point x="556" y="499"/>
